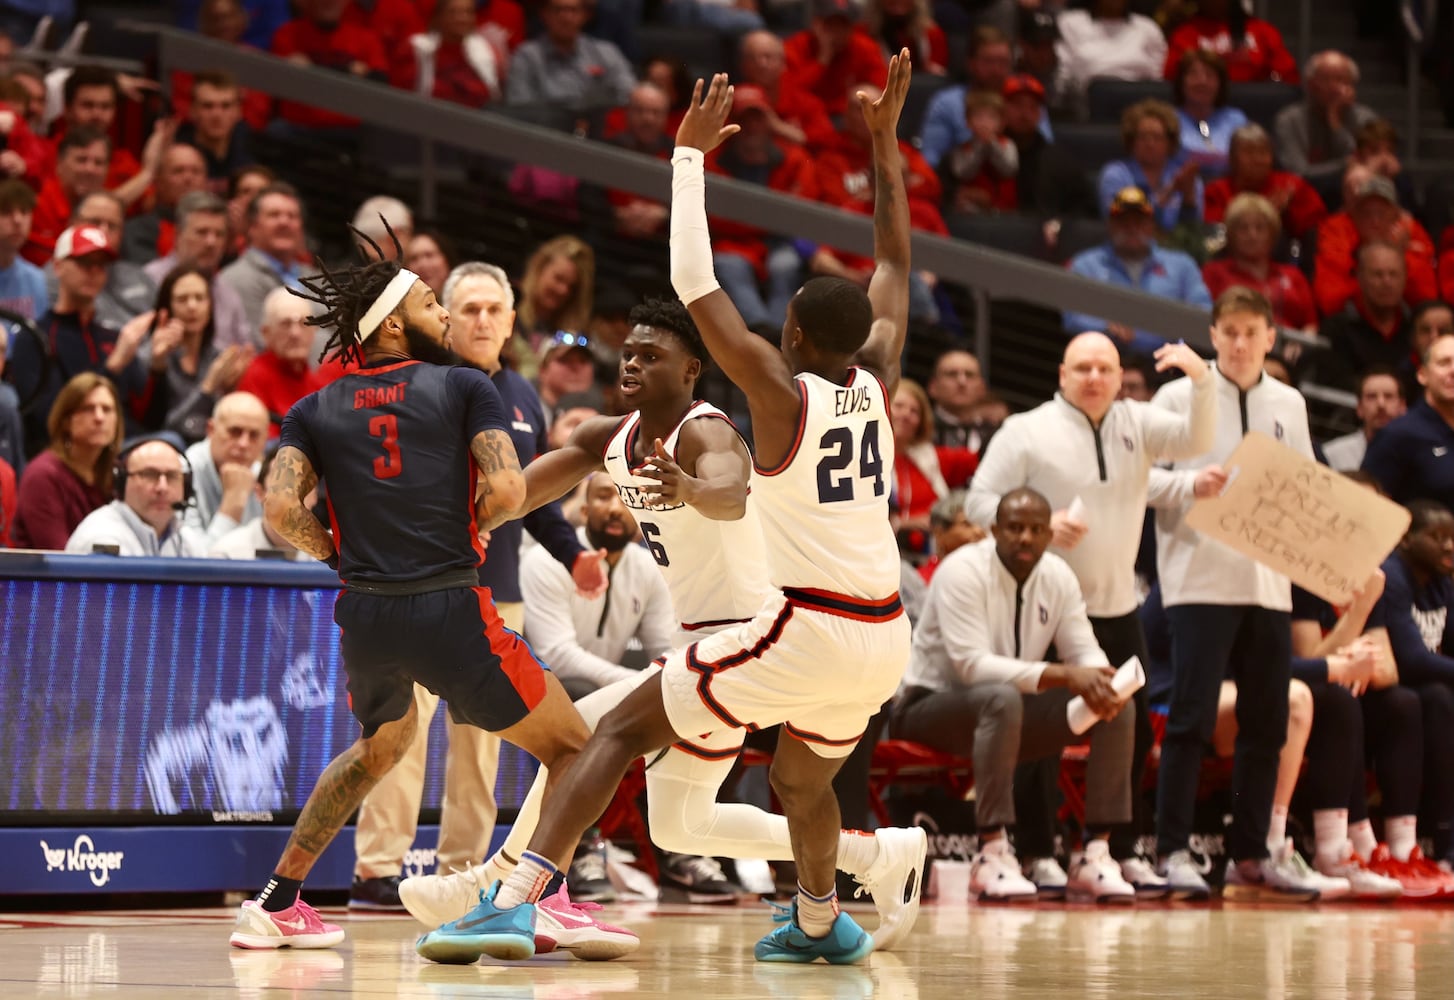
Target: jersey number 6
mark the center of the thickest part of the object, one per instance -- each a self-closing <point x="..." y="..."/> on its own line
<point x="835" y="489"/>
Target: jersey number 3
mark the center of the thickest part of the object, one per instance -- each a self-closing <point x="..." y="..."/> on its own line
<point x="838" y="442"/>
<point x="390" y="464"/>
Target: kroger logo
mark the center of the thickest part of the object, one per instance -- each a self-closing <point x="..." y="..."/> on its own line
<point x="83" y="857"/>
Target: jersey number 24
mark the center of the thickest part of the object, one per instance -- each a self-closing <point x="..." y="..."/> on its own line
<point x="835" y="483"/>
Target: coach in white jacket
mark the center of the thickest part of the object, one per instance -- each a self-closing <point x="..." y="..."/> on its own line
<point x="1085" y="444"/>
<point x="1230" y="617"/>
<point x="978" y="685"/>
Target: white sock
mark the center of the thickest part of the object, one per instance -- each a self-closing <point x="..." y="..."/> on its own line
<point x="498" y="867"/>
<point x="857" y="851"/>
<point x="1277" y="827"/>
<point x="816" y="913"/>
<point x="526" y="882"/>
<point x="1364" y="842"/>
<point x="1330" y="832"/>
<point x="1402" y="834"/>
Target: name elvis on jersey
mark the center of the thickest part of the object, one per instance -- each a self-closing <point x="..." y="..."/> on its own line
<point x="846" y="401"/>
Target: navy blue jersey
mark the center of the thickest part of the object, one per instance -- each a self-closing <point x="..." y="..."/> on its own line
<point x="392" y="444"/>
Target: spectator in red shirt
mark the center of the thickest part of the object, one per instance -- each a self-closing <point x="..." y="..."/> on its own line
<point x="151" y="235"/>
<point x="72" y="476"/>
<point x="797" y="116"/>
<point x="1252" y="48"/>
<point x="455" y="60"/>
<point x="1249" y="169"/>
<point x="22" y="153"/>
<point x="81" y="160"/>
<point x="320" y="37"/>
<point x="832" y="53"/>
<point x="91" y="96"/>
<point x="1253" y="229"/>
<point x="7" y="502"/>
<point x="280" y="375"/>
<point x="746" y="257"/>
<point x="923" y="471"/>
<point x="908" y="24"/>
<point x="393" y="19"/>
<point x="980" y="176"/>
<point x="1372" y="215"/>
<point x="226" y="21"/>
<point x="646" y="123"/>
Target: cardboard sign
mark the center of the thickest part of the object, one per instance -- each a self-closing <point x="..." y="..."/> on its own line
<point x="1304" y="520"/>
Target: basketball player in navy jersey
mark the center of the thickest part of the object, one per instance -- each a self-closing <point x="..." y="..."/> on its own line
<point x="831" y="644"/>
<point x="416" y="454"/>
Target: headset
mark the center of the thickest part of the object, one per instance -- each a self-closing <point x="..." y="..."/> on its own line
<point x="119" y="472"/>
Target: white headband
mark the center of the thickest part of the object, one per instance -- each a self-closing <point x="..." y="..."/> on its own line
<point x="387" y="302"/>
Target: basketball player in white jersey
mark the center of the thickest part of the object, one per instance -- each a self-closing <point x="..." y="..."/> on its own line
<point x="683" y="469"/>
<point x="830" y="645"/>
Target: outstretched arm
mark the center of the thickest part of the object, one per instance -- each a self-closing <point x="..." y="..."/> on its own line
<point x="500" y="492"/>
<point x="888" y="290"/>
<point x="555" y="473"/>
<point x="758" y="369"/>
<point x="709" y="473"/>
<point x="291" y="478"/>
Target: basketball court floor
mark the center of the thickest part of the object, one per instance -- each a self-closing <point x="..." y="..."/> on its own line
<point x="705" y="953"/>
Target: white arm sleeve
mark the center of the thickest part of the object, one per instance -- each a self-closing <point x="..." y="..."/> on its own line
<point x="691" y="246"/>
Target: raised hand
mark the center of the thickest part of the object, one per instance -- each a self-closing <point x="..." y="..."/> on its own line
<point x="673" y="485"/>
<point x="704" y="126"/>
<point x="882" y="115"/>
<point x="1181" y="357"/>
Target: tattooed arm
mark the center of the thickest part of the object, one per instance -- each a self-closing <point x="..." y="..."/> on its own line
<point x="290" y="480"/>
<point x="500" y="492"/>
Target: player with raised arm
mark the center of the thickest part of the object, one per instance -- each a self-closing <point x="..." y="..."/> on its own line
<point x="416" y="454"/>
<point x="682" y="468"/>
<point x="830" y="645"/>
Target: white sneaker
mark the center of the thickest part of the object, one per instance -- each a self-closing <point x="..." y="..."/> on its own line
<point x="1295" y="867"/>
<point x="1270" y="879"/>
<point x="1185" y="878"/>
<point x="1048" y="876"/>
<point x="1143" y="878"/>
<point x="435" y="900"/>
<point x="895" y="879"/>
<point x="994" y="875"/>
<point x="1366" y="883"/>
<point x="1096" y="877"/>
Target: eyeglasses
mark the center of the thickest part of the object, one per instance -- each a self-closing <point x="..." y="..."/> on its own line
<point x="153" y="476"/>
<point x="570" y="339"/>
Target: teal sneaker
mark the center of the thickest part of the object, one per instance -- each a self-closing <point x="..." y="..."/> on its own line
<point x="485" y="930"/>
<point x="845" y="943"/>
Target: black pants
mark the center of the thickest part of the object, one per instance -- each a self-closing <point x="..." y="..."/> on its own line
<point x="1037" y="790"/>
<point x="1207" y="640"/>
<point x="1437" y="812"/>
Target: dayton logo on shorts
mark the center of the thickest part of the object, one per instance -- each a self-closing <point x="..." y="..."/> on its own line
<point x="83" y="857"/>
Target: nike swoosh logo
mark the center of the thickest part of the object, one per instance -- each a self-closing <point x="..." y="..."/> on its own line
<point x="293" y="925"/>
<point x="466" y="925"/>
<point x="910" y="884"/>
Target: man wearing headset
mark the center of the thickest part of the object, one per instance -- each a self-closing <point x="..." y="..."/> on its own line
<point x="153" y="482"/>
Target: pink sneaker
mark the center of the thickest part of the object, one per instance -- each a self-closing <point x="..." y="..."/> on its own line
<point x="560" y="923"/>
<point x="299" y="926"/>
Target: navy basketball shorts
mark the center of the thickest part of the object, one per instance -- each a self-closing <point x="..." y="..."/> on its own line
<point x="451" y="641"/>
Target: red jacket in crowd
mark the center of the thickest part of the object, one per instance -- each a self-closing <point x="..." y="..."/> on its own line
<point x="1335" y="275"/>
<point x="1285" y="288"/>
<point x="1303" y="207"/>
<point x="1261" y="56"/>
<point x="861" y="61"/>
<point x="337" y="49"/>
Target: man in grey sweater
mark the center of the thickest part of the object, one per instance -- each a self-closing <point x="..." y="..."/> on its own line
<point x="1315" y="137"/>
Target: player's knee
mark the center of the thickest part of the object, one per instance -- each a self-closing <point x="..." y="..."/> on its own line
<point x="795" y="785"/>
<point x="389" y="745"/>
<point x="672" y="827"/>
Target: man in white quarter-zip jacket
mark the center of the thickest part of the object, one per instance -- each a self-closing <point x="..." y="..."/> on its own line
<point x="1230" y="619"/>
<point x="978" y="685"/>
<point x="1086" y="445"/>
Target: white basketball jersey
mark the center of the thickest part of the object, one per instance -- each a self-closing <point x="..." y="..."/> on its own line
<point x="825" y="509"/>
<point x="716" y="571"/>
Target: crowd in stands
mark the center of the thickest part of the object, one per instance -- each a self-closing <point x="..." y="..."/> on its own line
<point x="154" y="266"/>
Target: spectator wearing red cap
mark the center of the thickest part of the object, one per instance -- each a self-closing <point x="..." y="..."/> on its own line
<point x="797" y="116"/>
<point x="81" y="159"/>
<point x="746" y="257"/>
<point x="1049" y="184"/>
<point x="320" y="37"/>
<point x="1249" y="171"/>
<point x="1372" y="215"/>
<point x="75" y="341"/>
<point x="833" y="53"/>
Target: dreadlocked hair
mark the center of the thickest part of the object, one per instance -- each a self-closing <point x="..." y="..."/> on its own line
<point x="346" y="295"/>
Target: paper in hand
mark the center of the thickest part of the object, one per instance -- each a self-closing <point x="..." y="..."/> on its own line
<point x="1076" y="511"/>
<point x="1129" y="679"/>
